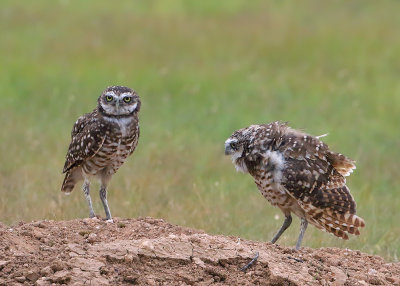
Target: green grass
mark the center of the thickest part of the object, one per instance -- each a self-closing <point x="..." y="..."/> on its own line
<point x="203" y="69"/>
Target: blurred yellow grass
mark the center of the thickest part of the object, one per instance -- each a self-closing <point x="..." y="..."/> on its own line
<point x="203" y="70"/>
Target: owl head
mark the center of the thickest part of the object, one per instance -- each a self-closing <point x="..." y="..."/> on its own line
<point x="236" y="143"/>
<point x="260" y="137"/>
<point x="240" y="145"/>
<point x="118" y="101"/>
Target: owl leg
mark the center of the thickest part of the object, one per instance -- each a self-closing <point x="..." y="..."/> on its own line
<point x="303" y="227"/>
<point x="103" y="197"/>
<point x="86" y="191"/>
<point x="285" y="225"/>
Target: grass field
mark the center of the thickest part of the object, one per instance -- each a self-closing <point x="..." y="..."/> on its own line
<point x="203" y="69"/>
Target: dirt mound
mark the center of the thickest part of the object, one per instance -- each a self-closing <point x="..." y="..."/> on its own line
<point x="148" y="251"/>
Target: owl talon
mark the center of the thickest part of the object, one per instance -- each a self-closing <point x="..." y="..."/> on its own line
<point x="248" y="265"/>
<point x="296" y="259"/>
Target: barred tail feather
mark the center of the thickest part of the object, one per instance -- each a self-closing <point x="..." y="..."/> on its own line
<point x="71" y="178"/>
<point x="338" y="224"/>
<point x="330" y="228"/>
<point x="68" y="184"/>
<point x="341" y="163"/>
<point x="336" y="231"/>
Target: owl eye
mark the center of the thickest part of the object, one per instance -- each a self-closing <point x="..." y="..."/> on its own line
<point x="109" y="98"/>
<point x="127" y="99"/>
<point x="233" y="145"/>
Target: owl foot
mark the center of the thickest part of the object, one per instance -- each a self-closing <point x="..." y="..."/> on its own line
<point x="296" y="259"/>
<point x="248" y="265"/>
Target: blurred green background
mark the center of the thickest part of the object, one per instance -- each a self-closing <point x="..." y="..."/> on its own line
<point x="203" y="69"/>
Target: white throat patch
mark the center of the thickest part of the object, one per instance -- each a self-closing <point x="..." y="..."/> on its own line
<point x="122" y="122"/>
<point x="240" y="165"/>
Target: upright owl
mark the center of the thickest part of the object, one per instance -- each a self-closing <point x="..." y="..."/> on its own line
<point x="101" y="141"/>
<point x="299" y="174"/>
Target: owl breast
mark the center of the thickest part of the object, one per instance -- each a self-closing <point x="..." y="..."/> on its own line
<point x="120" y="141"/>
<point x="268" y="178"/>
<point x="276" y="196"/>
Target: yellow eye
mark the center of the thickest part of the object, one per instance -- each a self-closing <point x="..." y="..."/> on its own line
<point x="127" y="99"/>
<point x="109" y="98"/>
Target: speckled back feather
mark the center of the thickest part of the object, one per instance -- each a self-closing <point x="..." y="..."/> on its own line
<point x="87" y="137"/>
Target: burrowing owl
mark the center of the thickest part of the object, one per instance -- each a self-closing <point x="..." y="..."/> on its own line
<point x="101" y="142"/>
<point x="299" y="174"/>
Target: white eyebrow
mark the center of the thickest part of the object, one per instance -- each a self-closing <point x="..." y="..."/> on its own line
<point x="110" y="93"/>
<point x="126" y="94"/>
<point x="230" y="140"/>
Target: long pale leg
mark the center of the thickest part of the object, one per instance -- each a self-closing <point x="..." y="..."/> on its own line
<point x="303" y="228"/>
<point x="103" y="197"/>
<point x="86" y="192"/>
<point x="285" y="225"/>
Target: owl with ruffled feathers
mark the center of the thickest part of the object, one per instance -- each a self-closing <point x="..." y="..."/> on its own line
<point x="299" y="174"/>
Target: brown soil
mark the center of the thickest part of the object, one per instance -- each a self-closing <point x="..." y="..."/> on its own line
<point x="148" y="251"/>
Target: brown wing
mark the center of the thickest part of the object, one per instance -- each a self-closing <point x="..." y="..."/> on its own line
<point x="87" y="138"/>
<point x="324" y="197"/>
<point x="307" y="166"/>
<point x="301" y="145"/>
<point x="80" y="124"/>
<point x="314" y="176"/>
<point x="317" y="182"/>
<point x="135" y="142"/>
